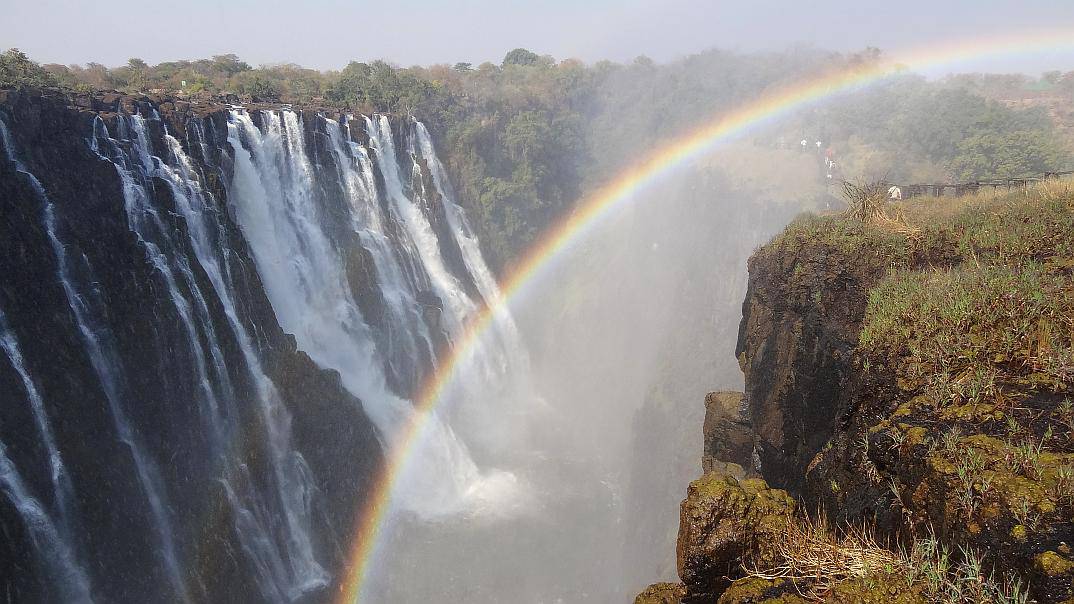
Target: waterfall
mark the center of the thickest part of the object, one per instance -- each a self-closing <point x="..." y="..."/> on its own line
<point x="62" y="491"/>
<point x="53" y="549"/>
<point x="457" y="304"/>
<point x="96" y="339"/>
<point x="405" y="341"/>
<point x="52" y="543"/>
<point x="501" y="397"/>
<point x="279" y="206"/>
<point x="359" y="251"/>
<point x="284" y="563"/>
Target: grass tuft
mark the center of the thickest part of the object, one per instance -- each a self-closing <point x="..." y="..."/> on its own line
<point x="819" y="561"/>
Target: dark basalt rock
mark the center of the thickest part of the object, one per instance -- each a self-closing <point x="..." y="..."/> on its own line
<point x="795" y="352"/>
<point x="116" y="533"/>
<point x="728" y="436"/>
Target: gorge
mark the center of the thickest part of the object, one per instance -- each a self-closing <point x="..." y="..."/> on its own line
<point x="215" y="321"/>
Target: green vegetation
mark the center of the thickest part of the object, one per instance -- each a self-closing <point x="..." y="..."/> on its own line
<point x="525" y="139"/>
<point x="997" y="314"/>
<point x="931" y="131"/>
<point x="16" y="69"/>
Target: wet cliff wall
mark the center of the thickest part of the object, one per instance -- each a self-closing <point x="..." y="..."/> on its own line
<point x="159" y="427"/>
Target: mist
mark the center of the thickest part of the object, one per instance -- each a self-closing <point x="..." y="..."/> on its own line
<point x="626" y="331"/>
<point x="637" y="319"/>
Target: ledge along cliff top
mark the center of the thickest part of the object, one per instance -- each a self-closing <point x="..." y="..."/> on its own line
<point x="174" y="108"/>
<point x="199" y="103"/>
<point x="909" y="375"/>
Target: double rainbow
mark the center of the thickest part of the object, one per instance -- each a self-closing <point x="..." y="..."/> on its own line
<point x="769" y="106"/>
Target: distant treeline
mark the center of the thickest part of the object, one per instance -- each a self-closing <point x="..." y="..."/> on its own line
<point x="525" y="138"/>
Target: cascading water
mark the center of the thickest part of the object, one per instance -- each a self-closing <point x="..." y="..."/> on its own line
<point x="278" y="205"/>
<point x="62" y="491"/>
<point x="171" y="311"/>
<point x="82" y="303"/>
<point x="285" y="563"/>
<point x="50" y="546"/>
<point x="52" y="540"/>
<point x="502" y="398"/>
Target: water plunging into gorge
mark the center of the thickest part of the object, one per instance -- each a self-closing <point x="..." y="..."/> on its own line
<point x="207" y="231"/>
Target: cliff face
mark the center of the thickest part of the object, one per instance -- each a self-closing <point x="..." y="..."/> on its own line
<point x="153" y="420"/>
<point x="800" y="322"/>
<point x="916" y="379"/>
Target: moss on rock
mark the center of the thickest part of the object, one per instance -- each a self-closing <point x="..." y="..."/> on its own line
<point x="661" y="593"/>
<point x="725" y="523"/>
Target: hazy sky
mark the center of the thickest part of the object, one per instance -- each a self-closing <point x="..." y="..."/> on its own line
<point x="326" y="34"/>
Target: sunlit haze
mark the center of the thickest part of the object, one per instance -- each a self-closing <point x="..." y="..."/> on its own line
<point x="325" y="34"/>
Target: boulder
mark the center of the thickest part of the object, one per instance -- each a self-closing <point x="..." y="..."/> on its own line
<point x="724" y="524"/>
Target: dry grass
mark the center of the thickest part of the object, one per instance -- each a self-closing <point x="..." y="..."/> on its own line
<point x="817" y="560"/>
<point x="1055" y="190"/>
<point x="868" y="204"/>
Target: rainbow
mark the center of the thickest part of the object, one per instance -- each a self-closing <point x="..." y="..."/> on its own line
<point x="769" y="106"/>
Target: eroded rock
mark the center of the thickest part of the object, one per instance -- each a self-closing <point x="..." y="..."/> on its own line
<point x="725" y="524"/>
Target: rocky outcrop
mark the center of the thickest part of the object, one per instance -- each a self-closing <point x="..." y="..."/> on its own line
<point x="800" y="323"/>
<point x="917" y="379"/>
<point x="725" y="524"/>
<point x="661" y="593"/>
<point x="728" y="436"/>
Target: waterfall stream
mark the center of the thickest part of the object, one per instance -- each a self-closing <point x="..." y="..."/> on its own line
<point x="276" y="197"/>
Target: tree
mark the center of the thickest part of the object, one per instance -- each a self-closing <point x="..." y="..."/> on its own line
<point x="643" y="62"/>
<point x="16" y="69"/>
<point x="258" y="85"/>
<point x="139" y="74"/>
<point x="229" y="64"/>
<point x="520" y="56"/>
<point x="463" y="67"/>
<point x="1007" y="155"/>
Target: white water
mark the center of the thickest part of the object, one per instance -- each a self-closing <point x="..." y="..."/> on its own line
<point x="282" y="553"/>
<point x="52" y="543"/>
<point x="62" y="491"/>
<point x="408" y="340"/>
<point x="53" y="550"/>
<point x="503" y="399"/>
<point x="273" y="193"/>
<point x="457" y="305"/>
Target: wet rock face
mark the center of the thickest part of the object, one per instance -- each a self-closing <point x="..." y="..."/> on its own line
<point x="723" y="525"/>
<point x="800" y="323"/>
<point x="116" y="533"/>
<point x="728" y="435"/>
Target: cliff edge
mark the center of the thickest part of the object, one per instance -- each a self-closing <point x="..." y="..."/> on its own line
<point x="910" y="386"/>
